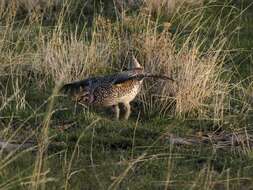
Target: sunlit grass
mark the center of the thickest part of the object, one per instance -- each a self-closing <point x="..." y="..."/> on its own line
<point x="48" y="141"/>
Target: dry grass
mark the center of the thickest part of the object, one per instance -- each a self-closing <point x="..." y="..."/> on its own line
<point x="73" y="59"/>
<point x="199" y="90"/>
<point x="170" y="6"/>
<point x="29" y="6"/>
<point x="157" y="6"/>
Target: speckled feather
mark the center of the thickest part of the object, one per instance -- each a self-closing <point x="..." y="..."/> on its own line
<point x="108" y="90"/>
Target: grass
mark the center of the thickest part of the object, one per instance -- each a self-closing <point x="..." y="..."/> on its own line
<point x="191" y="134"/>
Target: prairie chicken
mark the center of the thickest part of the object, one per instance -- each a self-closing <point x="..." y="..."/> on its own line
<point x="111" y="90"/>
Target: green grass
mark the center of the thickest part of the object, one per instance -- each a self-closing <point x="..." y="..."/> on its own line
<point x="85" y="148"/>
<point x="106" y="150"/>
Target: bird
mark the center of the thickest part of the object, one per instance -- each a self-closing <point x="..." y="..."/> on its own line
<point x="111" y="90"/>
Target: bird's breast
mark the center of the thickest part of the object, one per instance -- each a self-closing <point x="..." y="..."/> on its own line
<point x="128" y="91"/>
<point x="108" y="95"/>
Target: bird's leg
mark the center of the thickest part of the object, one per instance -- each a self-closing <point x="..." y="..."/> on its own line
<point x="128" y="110"/>
<point x="116" y="111"/>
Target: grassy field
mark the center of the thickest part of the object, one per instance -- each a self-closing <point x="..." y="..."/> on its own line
<point x="195" y="133"/>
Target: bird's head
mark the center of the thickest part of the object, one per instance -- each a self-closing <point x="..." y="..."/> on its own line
<point x="82" y="95"/>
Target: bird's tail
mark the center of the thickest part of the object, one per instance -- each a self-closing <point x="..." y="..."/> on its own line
<point x="164" y="77"/>
<point x="148" y="75"/>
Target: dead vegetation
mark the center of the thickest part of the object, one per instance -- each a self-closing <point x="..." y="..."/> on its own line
<point x="238" y="141"/>
<point x="198" y="91"/>
<point x="29" y="6"/>
<point x="35" y="58"/>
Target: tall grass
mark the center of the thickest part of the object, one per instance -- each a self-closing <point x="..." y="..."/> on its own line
<point x="35" y="57"/>
<point x="199" y="89"/>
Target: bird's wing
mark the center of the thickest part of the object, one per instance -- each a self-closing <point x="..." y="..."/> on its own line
<point x="125" y="76"/>
<point x="94" y="82"/>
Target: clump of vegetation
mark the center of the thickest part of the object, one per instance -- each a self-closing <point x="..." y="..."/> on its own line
<point x="198" y="88"/>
